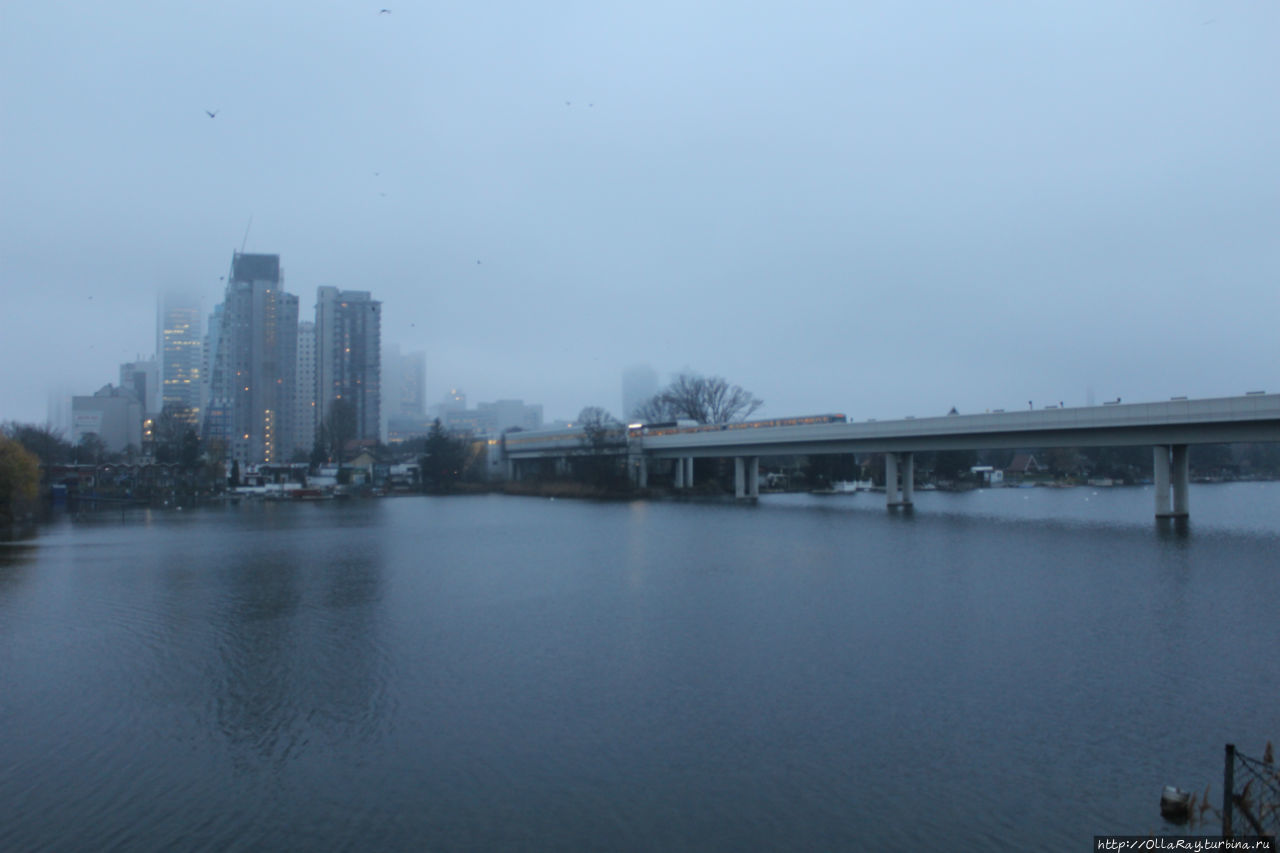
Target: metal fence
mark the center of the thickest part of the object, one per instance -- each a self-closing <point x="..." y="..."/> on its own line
<point x="1250" y="795"/>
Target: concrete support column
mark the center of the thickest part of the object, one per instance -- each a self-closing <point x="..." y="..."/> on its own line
<point x="1160" y="470"/>
<point x="753" y="477"/>
<point x="1181" y="477"/>
<point x="642" y="472"/>
<point x="511" y="469"/>
<point x="688" y="472"/>
<point x="908" y="478"/>
<point x="738" y="478"/>
<point x="891" y="479"/>
<point x="680" y="473"/>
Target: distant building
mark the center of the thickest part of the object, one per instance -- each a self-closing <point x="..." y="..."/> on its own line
<point x="252" y="400"/>
<point x="305" y="414"/>
<point x="211" y="416"/>
<point x="403" y="428"/>
<point x="179" y="348"/>
<point x="639" y="383"/>
<point x="1023" y="464"/>
<point x="508" y="414"/>
<point x="349" y="356"/>
<point x="987" y="475"/>
<point x="455" y="400"/>
<point x="58" y="413"/>
<point x="143" y="379"/>
<point x="113" y="414"/>
<point x="494" y="418"/>
<point x="404" y="391"/>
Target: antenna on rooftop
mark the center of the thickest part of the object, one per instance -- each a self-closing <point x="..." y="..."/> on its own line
<point x="246" y="234"/>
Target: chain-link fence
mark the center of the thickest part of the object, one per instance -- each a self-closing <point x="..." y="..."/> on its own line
<point x="1251" y="795"/>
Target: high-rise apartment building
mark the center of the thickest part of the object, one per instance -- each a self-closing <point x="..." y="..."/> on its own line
<point x="349" y="356"/>
<point x="252" y="404"/>
<point x="179" y="348"/>
<point x="305" y="415"/>
<point x="404" y="392"/>
<point x="209" y="355"/>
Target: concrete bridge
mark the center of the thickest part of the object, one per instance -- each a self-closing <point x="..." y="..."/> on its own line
<point x="1169" y="427"/>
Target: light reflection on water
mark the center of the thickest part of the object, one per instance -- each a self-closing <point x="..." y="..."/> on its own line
<point x="995" y="668"/>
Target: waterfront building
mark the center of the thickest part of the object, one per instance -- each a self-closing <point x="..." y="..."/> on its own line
<point x="252" y="401"/>
<point x="179" y="348"/>
<point x="349" y="356"/>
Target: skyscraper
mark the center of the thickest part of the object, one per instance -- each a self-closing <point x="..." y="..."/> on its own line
<point x="252" y="404"/>
<point x="209" y="356"/>
<point x="639" y="383"/>
<point x="349" y="356"/>
<point x="178" y="347"/>
<point x="404" y="391"/>
<point x="305" y="415"/>
<point x="143" y="379"/>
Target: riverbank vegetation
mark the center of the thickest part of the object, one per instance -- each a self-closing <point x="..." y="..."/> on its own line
<point x="19" y="479"/>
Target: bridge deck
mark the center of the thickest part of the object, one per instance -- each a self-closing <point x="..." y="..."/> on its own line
<point x="1253" y="417"/>
<point x="1247" y="418"/>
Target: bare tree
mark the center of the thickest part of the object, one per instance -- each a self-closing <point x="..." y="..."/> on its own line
<point x="597" y="424"/>
<point x="600" y="432"/>
<point x="707" y="400"/>
<point x="653" y="410"/>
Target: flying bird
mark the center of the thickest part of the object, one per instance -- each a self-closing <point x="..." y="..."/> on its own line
<point x="212" y="113"/>
<point x="384" y="11"/>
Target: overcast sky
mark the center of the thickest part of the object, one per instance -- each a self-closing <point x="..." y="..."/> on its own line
<point x="880" y="209"/>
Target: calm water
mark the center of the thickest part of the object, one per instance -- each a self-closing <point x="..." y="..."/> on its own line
<point x="1010" y="669"/>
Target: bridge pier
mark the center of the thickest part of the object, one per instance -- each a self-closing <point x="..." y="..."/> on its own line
<point x="1171" y="466"/>
<point x="892" y="496"/>
<point x="640" y="470"/>
<point x="684" y="472"/>
<point x="746" y="477"/>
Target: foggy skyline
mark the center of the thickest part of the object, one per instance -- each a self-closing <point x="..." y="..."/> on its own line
<point x="879" y="210"/>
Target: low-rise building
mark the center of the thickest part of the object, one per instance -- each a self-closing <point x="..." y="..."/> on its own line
<point x="113" y="414"/>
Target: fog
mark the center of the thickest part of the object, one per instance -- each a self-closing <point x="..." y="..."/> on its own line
<point x="879" y="209"/>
